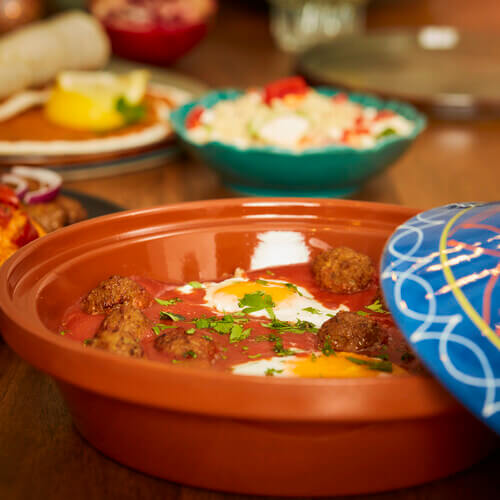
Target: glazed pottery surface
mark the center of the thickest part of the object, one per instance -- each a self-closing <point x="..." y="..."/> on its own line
<point x="330" y="171"/>
<point x="440" y="275"/>
<point x="255" y="435"/>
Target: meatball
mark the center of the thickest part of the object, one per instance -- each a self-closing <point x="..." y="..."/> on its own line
<point x="73" y="209"/>
<point x="49" y="215"/>
<point x="343" y="270"/>
<point x="113" y="292"/>
<point x="121" y="332"/>
<point x="183" y="346"/>
<point x="350" y="332"/>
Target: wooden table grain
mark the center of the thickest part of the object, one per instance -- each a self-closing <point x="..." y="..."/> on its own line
<point x="42" y="456"/>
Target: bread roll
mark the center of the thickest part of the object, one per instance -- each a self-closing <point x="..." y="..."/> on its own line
<point x="34" y="55"/>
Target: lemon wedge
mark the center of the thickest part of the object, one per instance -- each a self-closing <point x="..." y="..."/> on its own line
<point x="97" y="101"/>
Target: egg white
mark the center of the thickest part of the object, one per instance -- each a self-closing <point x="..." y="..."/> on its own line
<point x="290" y="309"/>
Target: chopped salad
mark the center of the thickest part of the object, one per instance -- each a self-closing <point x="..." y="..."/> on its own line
<point x="289" y="114"/>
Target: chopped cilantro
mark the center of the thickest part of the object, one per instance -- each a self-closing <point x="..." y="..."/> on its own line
<point x="377" y="307"/>
<point x="207" y="337"/>
<point x="172" y="316"/>
<point x="195" y="284"/>
<point x="131" y="113"/>
<point x="244" y="348"/>
<point x="269" y="272"/>
<point x="254" y="356"/>
<point x="238" y="334"/>
<point x="271" y="371"/>
<point x="262" y="282"/>
<point x="261" y="338"/>
<point x="253" y="302"/>
<point x="202" y="323"/>
<point x="407" y="357"/>
<point x="331" y="315"/>
<point x="190" y="354"/>
<point x="160" y="326"/>
<point x="311" y="310"/>
<point x="293" y="287"/>
<point x="327" y="349"/>
<point x="285" y="326"/>
<point x="175" y="361"/>
<point x="383" y="354"/>
<point x="382" y="366"/>
<point x="87" y="341"/>
<point x="278" y="346"/>
<point x="362" y="313"/>
<point x="168" y="302"/>
<point x="313" y="357"/>
<point x="62" y="332"/>
<point x="190" y="331"/>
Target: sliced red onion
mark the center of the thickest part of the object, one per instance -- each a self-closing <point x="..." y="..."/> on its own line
<point x="20" y="185"/>
<point x="50" y="184"/>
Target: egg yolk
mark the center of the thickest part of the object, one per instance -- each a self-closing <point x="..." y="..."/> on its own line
<point x="278" y="292"/>
<point x="338" y="366"/>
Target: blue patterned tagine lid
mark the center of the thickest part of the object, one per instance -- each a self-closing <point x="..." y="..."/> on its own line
<point x="440" y="276"/>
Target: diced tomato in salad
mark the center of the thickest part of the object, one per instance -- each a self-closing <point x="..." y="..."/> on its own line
<point x="339" y="98"/>
<point x="193" y="118"/>
<point x="383" y="114"/>
<point x="279" y="89"/>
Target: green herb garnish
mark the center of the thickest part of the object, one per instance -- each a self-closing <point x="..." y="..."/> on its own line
<point x="160" y="326"/>
<point x="238" y="334"/>
<point x="87" y="341"/>
<point x="407" y="357"/>
<point x="362" y="313"/>
<point x="62" y="332"/>
<point x="195" y="284"/>
<point x="327" y="349"/>
<point x="254" y="356"/>
<point x="271" y="371"/>
<point x="313" y="357"/>
<point x="312" y="310"/>
<point x="382" y="366"/>
<point x="172" y="316"/>
<point x="286" y="327"/>
<point x="269" y="272"/>
<point x="278" y="346"/>
<point x="262" y="282"/>
<point x="207" y="337"/>
<point x="244" y="348"/>
<point x="293" y="287"/>
<point x="190" y="354"/>
<point x="253" y="302"/>
<point x="377" y="307"/>
<point x="190" y="331"/>
<point x="131" y="113"/>
<point x="169" y="302"/>
<point x="383" y="354"/>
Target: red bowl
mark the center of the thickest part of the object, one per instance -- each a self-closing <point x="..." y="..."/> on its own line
<point x="216" y="430"/>
<point x="160" y="45"/>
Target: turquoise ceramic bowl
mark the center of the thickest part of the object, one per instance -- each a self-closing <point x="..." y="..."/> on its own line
<point x="331" y="171"/>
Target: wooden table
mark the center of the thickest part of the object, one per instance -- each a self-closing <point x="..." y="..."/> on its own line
<point x="41" y="455"/>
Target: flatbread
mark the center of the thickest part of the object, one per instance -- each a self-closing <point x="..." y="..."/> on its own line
<point x="33" y="55"/>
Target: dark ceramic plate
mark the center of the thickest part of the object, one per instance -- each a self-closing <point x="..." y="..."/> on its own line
<point x="95" y="206"/>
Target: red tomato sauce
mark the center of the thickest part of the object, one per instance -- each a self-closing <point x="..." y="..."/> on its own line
<point x="78" y="326"/>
